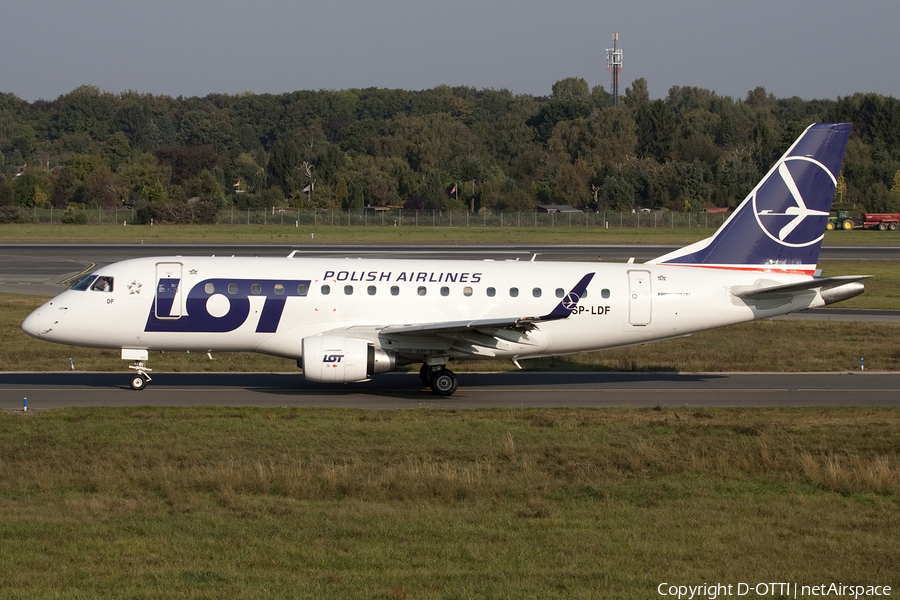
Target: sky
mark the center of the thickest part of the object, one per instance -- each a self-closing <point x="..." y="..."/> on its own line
<point x="821" y="49"/>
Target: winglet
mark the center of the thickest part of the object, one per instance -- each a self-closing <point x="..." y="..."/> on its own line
<point x="569" y="302"/>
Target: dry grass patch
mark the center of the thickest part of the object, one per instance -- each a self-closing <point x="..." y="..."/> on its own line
<point x="262" y="503"/>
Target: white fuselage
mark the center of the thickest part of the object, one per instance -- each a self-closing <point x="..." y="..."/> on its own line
<point x="269" y="305"/>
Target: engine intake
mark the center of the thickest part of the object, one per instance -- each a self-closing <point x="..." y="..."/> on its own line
<point x="339" y="359"/>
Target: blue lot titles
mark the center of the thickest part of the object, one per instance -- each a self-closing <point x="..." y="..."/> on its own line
<point x="711" y="591"/>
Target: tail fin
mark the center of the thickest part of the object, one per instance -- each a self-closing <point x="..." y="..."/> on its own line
<point x="780" y="225"/>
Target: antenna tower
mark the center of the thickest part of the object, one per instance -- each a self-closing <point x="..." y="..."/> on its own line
<point x="614" y="66"/>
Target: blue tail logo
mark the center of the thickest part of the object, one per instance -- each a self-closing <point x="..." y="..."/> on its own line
<point x="782" y="212"/>
<point x="781" y="223"/>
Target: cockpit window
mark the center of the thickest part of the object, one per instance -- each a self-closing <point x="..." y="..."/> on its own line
<point x="84" y="283"/>
<point x="103" y="284"/>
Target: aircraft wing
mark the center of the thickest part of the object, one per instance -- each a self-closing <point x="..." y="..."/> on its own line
<point x="561" y="311"/>
<point x="473" y="336"/>
<point x="779" y="291"/>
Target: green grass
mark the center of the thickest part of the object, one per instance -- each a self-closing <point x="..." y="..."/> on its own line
<point x="317" y="503"/>
<point x="290" y="235"/>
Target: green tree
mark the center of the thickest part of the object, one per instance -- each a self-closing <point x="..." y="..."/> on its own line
<point x="655" y="128"/>
<point x="7" y="195"/>
<point x="571" y="88"/>
<point x="571" y="184"/>
<point x="342" y="195"/>
<point x="116" y="150"/>
<point x="100" y="187"/>
<point x="155" y="193"/>
<point x="637" y="94"/>
<point x="284" y="161"/>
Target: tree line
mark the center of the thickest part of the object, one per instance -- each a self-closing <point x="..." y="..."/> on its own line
<point x="446" y="148"/>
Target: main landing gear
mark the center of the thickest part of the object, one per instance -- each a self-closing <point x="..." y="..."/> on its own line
<point x="440" y="379"/>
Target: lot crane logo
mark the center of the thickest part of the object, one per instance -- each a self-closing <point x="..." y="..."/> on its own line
<point x="570" y="302"/>
<point x="786" y="214"/>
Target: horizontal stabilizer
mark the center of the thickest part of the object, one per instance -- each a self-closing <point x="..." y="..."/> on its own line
<point x="817" y="283"/>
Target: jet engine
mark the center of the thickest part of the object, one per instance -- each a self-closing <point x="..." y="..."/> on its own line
<point x="338" y="359"/>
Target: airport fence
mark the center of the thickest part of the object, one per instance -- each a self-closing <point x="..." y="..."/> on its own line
<point x="410" y="218"/>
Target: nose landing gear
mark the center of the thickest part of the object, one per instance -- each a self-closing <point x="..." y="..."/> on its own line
<point x="140" y="379"/>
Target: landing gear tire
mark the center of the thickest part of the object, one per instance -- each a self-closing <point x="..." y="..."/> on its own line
<point x="444" y="382"/>
<point x="138" y="382"/>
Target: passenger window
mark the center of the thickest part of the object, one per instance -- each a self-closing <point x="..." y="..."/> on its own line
<point x="371" y="290"/>
<point x="445" y="291"/>
<point x="279" y="289"/>
<point x="604" y="293"/>
<point x="210" y="288"/>
<point x="302" y="289"/>
<point x="421" y="291"/>
<point x="513" y="292"/>
<point x="395" y="291"/>
<point x="326" y="289"/>
<point x="232" y="288"/>
<point x="560" y="292"/>
<point x="255" y="288"/>
<point x="536" y="292"/>
<point x="490" y="292"/>
<point x="348" y="290"/>
<point x="467" y="291"/>
<point x="103" y="284"/>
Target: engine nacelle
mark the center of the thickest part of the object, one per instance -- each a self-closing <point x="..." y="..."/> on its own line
<point x="338" y="359"/>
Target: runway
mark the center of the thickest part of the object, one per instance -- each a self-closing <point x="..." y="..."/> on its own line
<point x="477" y="390"/>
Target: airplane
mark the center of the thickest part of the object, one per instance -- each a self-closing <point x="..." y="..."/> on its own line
<point x="346" y="320"/>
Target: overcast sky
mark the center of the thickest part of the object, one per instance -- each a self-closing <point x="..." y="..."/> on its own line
<point x="806" y="48"/>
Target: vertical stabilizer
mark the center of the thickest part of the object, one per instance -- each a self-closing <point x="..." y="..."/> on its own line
<point x="781" y="223"/>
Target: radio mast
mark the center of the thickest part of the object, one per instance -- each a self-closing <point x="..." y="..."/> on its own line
<point x="614" y="66"/>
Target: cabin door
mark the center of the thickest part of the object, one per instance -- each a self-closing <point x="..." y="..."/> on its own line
<point x="169" y="303"/>
<point x="639" y="302"/>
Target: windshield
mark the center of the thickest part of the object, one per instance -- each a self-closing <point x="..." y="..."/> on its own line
<point x="84" y="283"/>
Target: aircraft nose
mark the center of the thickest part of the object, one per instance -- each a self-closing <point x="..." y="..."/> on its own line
<point x="41" y="322"/>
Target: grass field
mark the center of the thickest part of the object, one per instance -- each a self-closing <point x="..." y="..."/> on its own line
<point x="290" y="235"/>
<point x="573" y="503"/>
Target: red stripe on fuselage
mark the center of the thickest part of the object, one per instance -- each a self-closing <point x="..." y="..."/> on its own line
<point x="756" y="269"/>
